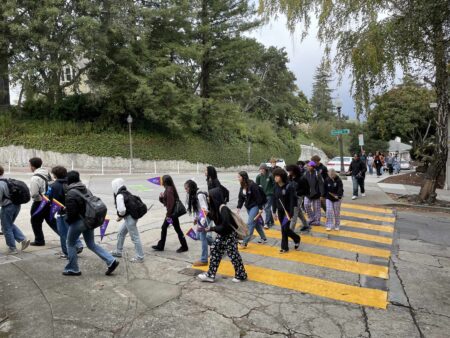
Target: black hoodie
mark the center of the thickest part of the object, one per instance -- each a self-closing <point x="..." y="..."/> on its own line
<point x="75" y="204"/>
<point x="223" y="220"/>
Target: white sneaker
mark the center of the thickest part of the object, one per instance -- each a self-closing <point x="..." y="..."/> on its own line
<point x="205" y="278"/>
<point x="336" y="228"/>
<point x="237" y="280"/>
<point x="363" y="195"/>
<point x="354" y="197"/>
<point x="25" y="243"/>
<point x="12" y="251"/>
<point x="137" y="260"/>
<point x="328" y="229"/>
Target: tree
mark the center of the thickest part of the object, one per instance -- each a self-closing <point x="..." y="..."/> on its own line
<point x="374" y="37"/>
<point x="321" y="100"/>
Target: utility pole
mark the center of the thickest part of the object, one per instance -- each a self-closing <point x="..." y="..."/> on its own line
<point x="130" y="121"/>
<point x="341" y="144"/>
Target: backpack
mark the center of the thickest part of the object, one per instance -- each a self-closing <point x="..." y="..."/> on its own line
<point x="95" y="209"/>
<point x="242" y="228"/>
<point x="135" y="207"/>
<point x="18" y="191"/>
<point x="263" y="195"/>
<point x="46" y="180"/>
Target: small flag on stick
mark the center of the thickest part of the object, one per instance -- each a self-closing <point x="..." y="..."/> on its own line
<point x="192" y="234"/>
<point x="156" y="180"/>
<point x="103" y="228"/>
<point x="41" y="206"/>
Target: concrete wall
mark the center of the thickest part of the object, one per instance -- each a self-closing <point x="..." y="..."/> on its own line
<point x="308" y="151"/>
<point x="18" y="156"/>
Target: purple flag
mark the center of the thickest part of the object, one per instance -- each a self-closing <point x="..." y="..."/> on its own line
<point x="103" y="228"/>
<point x="192" y="234"/>
<point x="260" y="221"/>
<point x="54" y="208"/>
<point x="285" y="220"/>
<point x="41" y="206"/>
<point x="169" y="220"/>
<point x="156" y="180"/>
<point x="201" y="218"/>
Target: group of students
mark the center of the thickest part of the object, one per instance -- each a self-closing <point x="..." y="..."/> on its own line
<point x="381" y="163"/>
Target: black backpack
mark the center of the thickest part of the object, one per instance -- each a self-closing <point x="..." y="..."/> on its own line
<point x="95" y="209"/>
<point x="135" y="207"/>
<point x="46" y="179"/>
<point x="18" y="191"/>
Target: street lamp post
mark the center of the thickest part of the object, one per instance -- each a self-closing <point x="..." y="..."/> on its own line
<point x="130" y="121"/>
<point x="338" y="105"/>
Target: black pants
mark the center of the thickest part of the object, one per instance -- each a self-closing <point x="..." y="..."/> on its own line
<point x="378" y="167"/>
<point x="176" y="226"/>
<point x="37" y="220"/>
<point x="286" y="232"/>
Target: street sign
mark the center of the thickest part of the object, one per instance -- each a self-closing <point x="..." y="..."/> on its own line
<point x="361" y="139"/>
<point x="340" y="132"/>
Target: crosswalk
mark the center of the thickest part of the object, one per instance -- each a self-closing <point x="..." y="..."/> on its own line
<point x="362" y="247"/>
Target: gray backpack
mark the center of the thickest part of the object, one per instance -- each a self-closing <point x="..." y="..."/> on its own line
<point x="95" y="210"/>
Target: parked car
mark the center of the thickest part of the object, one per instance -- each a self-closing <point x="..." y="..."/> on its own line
<point x="335" y="163"/>
<point x="280" y="162"/>
<point x="405" y="165"/>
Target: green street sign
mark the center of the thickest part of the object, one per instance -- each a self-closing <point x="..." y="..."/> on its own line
<point x="340" y="132"/>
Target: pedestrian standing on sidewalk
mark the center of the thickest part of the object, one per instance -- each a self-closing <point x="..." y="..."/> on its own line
<point x="378" y="163"/>
<point x="285" y="202"/>
<point x="8" y="214"/>
<point x="357" y="170"/>
<point x="122" y="198"/>
<point x="390" y="163"/>
<point x="302" y="188"/>
<point x="254" y="203"/>
<point x="396" y="164"/>
<point x="75" y="212"/>
<point x="197" y="202"/>
<point x="334" y="190"/>
<point x="169" y="197"/>
<point x="266" y="182"/>
<point x="370" y="163"/>
<point x="314" y="194"/>
<point x="226" y="240"/>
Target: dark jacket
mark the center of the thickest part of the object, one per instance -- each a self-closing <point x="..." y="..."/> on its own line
<point x="285" y="196"/>
<point x="301" y="185"/>
<point x="57" y="191"/>
<point x="315" y="184"/>
<point x="75" y="204"/>
<point x="225" y="223"/>
<point x="322" y="170"/>
<point x="334" y="188"/>
<point x="168" y="199"/>
<point x="266" y="182"/>
<point x="252" y="197"/>
<point x="357" y="168"/>
<point x="213" y="183"/>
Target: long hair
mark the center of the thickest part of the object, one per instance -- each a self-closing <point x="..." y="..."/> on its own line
<point x="246" y="180"/>
<point x="191" y="198"/>
<point x="215" y="201"/>
<point x="294" y="169"/>
<point x="168" y="182"/>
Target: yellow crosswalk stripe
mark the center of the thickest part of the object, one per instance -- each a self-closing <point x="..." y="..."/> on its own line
<point x="362" y="225"/>
<point x="352" y="234"/>
<point x="319" y="260"/>
<point x="335" y="245"/>
<point x="367" y="216"/>
<point x="366" y="208"/>
<point x="315" y="286"/>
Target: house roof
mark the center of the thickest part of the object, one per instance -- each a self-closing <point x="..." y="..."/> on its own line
<point x="398" y="146"/>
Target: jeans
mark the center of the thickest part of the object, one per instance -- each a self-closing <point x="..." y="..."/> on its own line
<point x="298" y="213"/>
<point x="75" y="230"/>
<point x="130" y="226"/>
<point x="63" y="228"/>
<point x="358" y="182"/>
<point x="37" y="220"/>
<point x="12" y="233"/>
<point x="206" y="240"/>
<point x="370" y="169"/>
<point x="252" y="224"/>
<point x="268" y="211"/>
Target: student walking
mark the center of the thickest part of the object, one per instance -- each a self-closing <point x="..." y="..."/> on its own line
<point x="314" y="194"/>
<point x="285" y="202"/>
<point x="197" y="202"/>
<point x="226" y="240"/>
<point x="169" y="198"/>
<point x="121" y="199"/>
<point x="75" y="211"/>
<point x="8" y="214"/>
<point x="57" y="190"/>
<point x="357" y="170"/>
<point x="250" y="194"/>
<point x="334" y="190"/>
<point x="370" y="163"/>
<point x="301" y="185"/>
<point x="266" y="182"/>
<point x="213" y="182"/>
<point x="378" y="163"/>
<point x="323" y="171"/>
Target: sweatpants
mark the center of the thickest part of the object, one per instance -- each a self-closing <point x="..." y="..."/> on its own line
<point x="313" y="210"/>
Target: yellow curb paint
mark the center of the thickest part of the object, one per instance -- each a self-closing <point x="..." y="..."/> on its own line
<point x="366" y="216"/>
<point x="315" y="286"/>
<point x="319" y="260"/>
<point x="362" y="225"/>
<point x="366" y="208"/>
<point x="335" y="245"/>
<point x="352" y="234"/>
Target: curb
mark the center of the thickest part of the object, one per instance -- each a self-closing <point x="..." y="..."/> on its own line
<point x="418" y="207"/>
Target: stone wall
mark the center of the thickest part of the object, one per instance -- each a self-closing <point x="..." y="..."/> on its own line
<point x="308" y="151"/>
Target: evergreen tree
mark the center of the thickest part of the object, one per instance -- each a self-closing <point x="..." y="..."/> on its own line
<point x="321" y="100"/>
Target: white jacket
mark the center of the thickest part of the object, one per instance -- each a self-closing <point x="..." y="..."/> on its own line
<point x="120" y="203"/>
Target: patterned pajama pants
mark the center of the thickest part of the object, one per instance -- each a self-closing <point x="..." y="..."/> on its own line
<point x="333" y="214"/>
<point x="226" y="244"/>
<point x="313" y="210"/>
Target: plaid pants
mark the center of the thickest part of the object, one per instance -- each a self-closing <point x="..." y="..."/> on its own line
<point x="333" y="213"/>
<point x="313" y="210"/>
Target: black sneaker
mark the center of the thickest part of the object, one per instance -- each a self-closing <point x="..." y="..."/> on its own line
<point x="79" y="250"/>
<point x="297" y="245"/>
<point x="37" y="244"/>
<point x="111" y="268"/>
<point x="262" y="241"/>
<point x="71" y="273"/>
<point x="157" y="248"/>
<point x="305" y="228"/>
<point x="181" y="249"/>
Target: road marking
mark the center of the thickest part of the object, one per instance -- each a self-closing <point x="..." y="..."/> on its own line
<point x="352" y="234"/>
<point x="335" y="245"/>
<point x="315" y="286"/>
<point x="366" y="208"/>
<point x="367" y="216"/>
<point x="362" y="225"/>
<point x="319" y="260"/>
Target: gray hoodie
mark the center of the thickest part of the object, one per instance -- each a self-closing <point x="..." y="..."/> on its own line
<point x="37" y="184"/>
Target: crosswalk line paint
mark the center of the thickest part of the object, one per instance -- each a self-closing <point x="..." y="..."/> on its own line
<point x="367" y="216"/>
<point x="352" y="234"/>
<point x="320" y="260"/>
<point x="315" y="286"/>
<point x="362" y="225"/>
<point x="324" y="242"/>
<point x="366" y="208"/>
